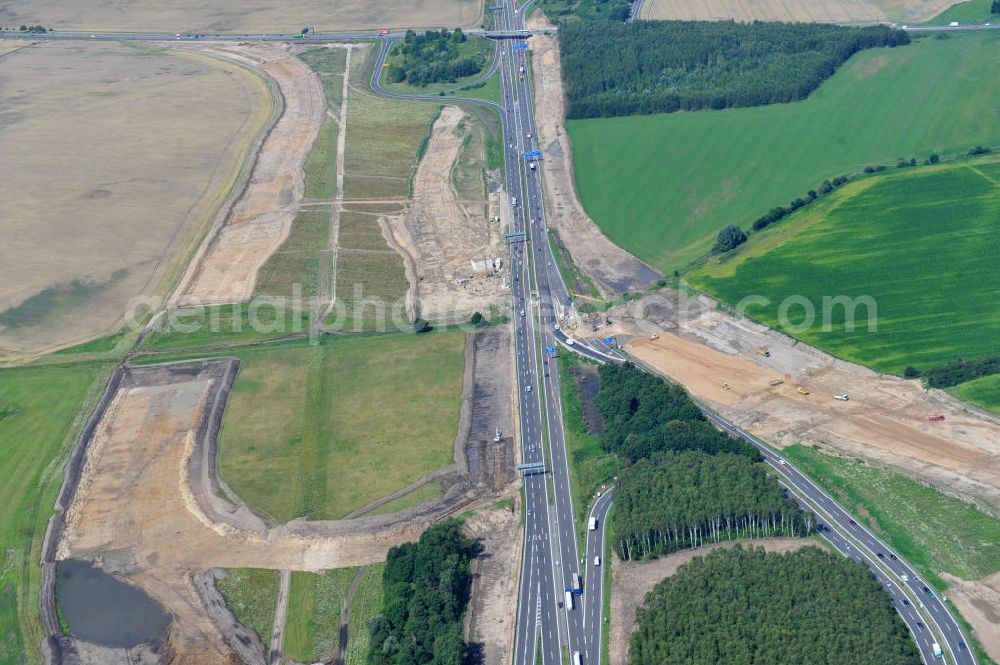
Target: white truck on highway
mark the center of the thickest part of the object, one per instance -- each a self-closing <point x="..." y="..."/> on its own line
<point x="593" y="524"/>
<point x="576" y="658"/>
<point x="569" y="600"/>
<point x="937" y="650"/>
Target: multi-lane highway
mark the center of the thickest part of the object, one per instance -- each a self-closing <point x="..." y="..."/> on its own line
<point x="547" y="628"/>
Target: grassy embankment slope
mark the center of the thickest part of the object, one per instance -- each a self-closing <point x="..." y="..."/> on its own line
<point x="41" y="410"/>
<point x="661" y="186"/>
<point x="312" y="627"/>
<point x="920" y="242"/>
<point x="984" y="391"/>
<point x="320" y="431"/>
<point x="251" y="594"/>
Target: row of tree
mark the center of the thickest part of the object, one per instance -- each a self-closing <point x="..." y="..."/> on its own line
<point x="425" y="591"/>
<point x="614" y="69"/>
<point x="433" y="57"/>
<point x="746" y="606"/>
<point x="959" y="371"/>
<point x="690" y="499"/>
<point x="641" y="415"/>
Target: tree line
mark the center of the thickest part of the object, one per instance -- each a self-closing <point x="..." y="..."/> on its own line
<point x="690" y="499"/>
<point x="433" y="57"/>
<point x="747" y="606"/>
<point x="956" y="372"/>
<point x="425" y="591"/>
<point x="563" y="11"/>
<point x="611" y="69"/>
<point x="641" y="415"/>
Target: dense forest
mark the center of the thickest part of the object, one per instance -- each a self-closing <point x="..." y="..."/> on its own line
<point x="425" y="591"/>
<point x="641" y="414"/>
<point x="680" y="500"/>
<point x="751" y="607"/>
<point x="435" y="57"/>
<point x="613" y="69"/>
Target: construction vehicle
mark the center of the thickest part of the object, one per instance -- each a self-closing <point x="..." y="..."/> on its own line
<point x="496" y="435"/>
<point x="802" y="391"/>
<point x="725" y="386"/>
<point x="654" y="337"/>
<point x="936" y="417"/>
<point x="775" y="382"/>
<point x="763" y="352"/>
<point x="842" y="397"/>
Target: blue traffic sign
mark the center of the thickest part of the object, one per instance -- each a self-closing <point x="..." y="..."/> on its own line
<point x="533" y="153"/>
<point x="550" y="350"/>
<point x="609" y="340"/>
<point x="520" y="47"/>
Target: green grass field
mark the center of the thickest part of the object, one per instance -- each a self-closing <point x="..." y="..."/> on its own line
<point x="252" y="595"/>
<point x="427" y="492"/>
<point x="228" y="324"/>
<point x="366" y="604"/>
<point x="471" y="46"/>
<point x="38" y="421"/>
<point x="984" y="391"/>
<point x="312" y="627"/>
<point x="661" y="186"/>
<point x="322" y="430"/>
<point x="921" y="243"/>
<point x="934" y="532"/>
<point x="296" y="263"/>
<point x="973" y="11"/>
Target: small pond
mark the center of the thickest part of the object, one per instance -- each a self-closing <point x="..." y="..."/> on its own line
<point x="101" y="608"/>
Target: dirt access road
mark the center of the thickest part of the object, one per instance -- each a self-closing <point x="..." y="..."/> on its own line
<point x="226" y="269"/>
<point x="795" y="11"/>
<point x="450" y="247"/>
<point x="613" y="270"/>
<point x="885" y="422"/>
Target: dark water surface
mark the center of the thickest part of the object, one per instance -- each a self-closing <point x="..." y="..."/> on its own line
<point x="101" y="608"/>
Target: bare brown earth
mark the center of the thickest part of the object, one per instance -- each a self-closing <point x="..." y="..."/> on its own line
<point x="211" y="16"/>
<point x="613" y="270"/>
<point x="979" y="603"/>
<point x="490" y="620"/>
<point x="884" y="422"/>
<point x="260" y="221"/>
<point x="452" y="248"/>
<point x="115" y="160"/>
<point x="150" y="508"/>
<point x="809" y="11"/>
<point x="631" y="582"/>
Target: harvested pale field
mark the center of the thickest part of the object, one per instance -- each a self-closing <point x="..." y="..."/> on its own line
<point x="115" y="160"/>
<point x="452" y="247"/>
<point x="221" y="16"/>
<point x="147" y="507"/>
<point x="613" y="270"/>
<point x="886" y="420"/>
<point x="631" y="582"/>
<point x="260" y="221"/>
<point x="807" y="11"/>
<point x="979" y="603"/>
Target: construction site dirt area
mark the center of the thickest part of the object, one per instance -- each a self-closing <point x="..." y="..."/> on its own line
<point x="631" y="582"/>
<point x="979" y="603"/>
<point x="489" y="618"/>
<point x="454" y="251"/>
<point x="132" y="148"/>
<point x="785" y="393"/>
<point x="143" y="501"/>
<point x="226" y="16"/>
<point x="800" y="11"/>
<point x="613" y="270"/>
<point x="245" y="237"/>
